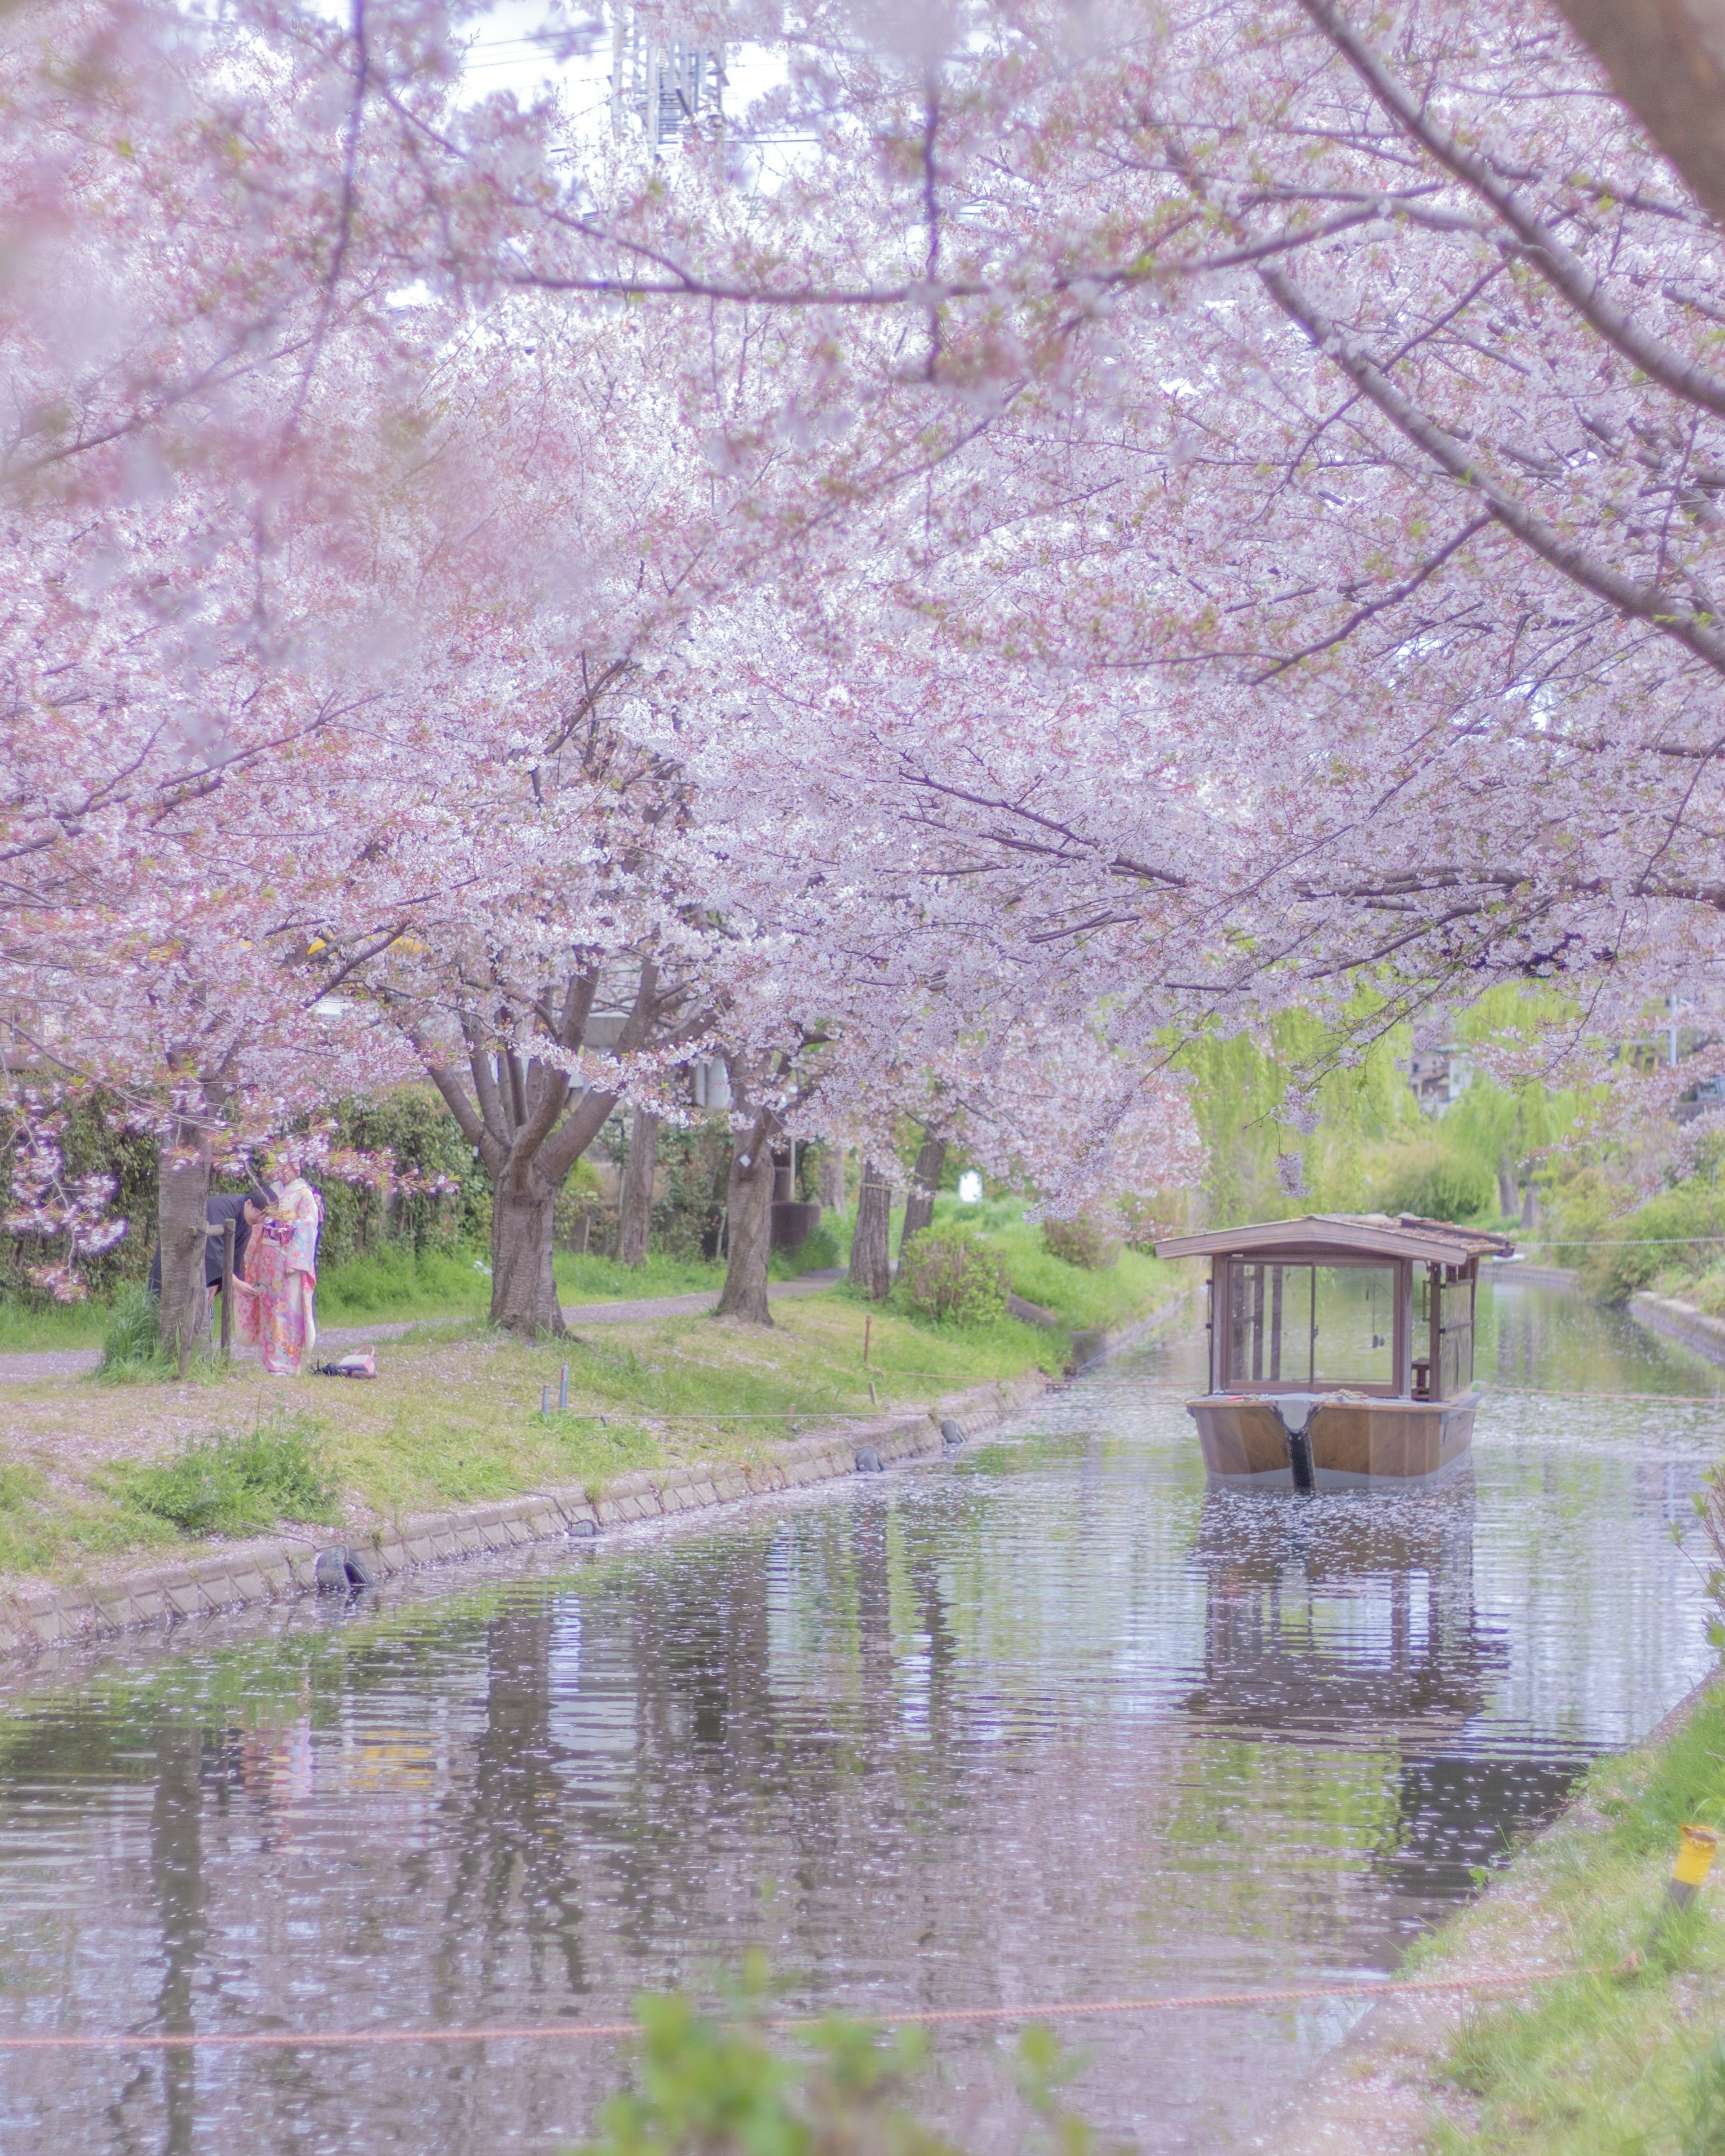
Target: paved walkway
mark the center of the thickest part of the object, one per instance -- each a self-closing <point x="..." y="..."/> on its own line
<point x="337" y="1339"/>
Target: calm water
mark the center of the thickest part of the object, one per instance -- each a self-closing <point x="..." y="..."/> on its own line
<point x="1050" y="1722"/>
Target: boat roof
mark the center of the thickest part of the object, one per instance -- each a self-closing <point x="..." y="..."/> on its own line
<point x="1359" y="1235"/>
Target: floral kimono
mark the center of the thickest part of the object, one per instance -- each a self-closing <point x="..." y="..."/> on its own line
<point x="275" y="1307"/>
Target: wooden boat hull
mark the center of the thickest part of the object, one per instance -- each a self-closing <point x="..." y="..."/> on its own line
<point x="1353" y="1442"/>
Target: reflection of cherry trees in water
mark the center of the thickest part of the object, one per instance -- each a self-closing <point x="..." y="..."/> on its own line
<point x="1046" y="1722"/>
<point x="1354" y="1624"/>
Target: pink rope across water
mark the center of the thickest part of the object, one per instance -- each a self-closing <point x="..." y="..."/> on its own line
<point x="545" y="2032"/>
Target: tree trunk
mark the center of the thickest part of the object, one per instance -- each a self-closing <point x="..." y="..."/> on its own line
<point x="1509" y="1195"/>
<point x="182" y="1219"/>
<point x="637" y="1207"/>
<point x="524" y="1295"/>
<point x="832" y="1179"/>
<point x="1530" y="1205"/>
<point x="1667" y="62"/>
<point x="870" y="1246"/>
<point x="919" y="1203"/>
<point x="748" y="1215"/>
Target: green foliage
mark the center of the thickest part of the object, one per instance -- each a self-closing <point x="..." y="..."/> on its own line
<point x="131" y="1347"/>
<point x="1083" y="1242"/>
<point x="813" y="1255"/>
<point x="231" y="1485"/>
<point x="1433" y="1178"/>
<point x="1701" y="2127"/>
<point x="412" y="1124"/>
<point x="606" y="1280"/>
<point x="707" y="2087"/>
<point x="1603" y="2063"/>
<point x="393" y="1281"/>
<point x="949" y="1275"/>
<point x="1078" y="1297"/>
<point x="1621" y="1256"/>
<point x="1239" y="1094"/>
<point x="95" y="1138"/>
<point x="694" y="1170"/>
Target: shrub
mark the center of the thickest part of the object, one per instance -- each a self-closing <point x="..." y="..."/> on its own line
<point x="703" y="2087"/>
<point x="813" y="1255"/>
<point x="1082" y="1242"/>
<point x="225" y="1485"/>
<point x="1663" y="1233"/>
<point x="131" y="1348"/>
<point x="951" y="1276"/>
<point x="1435" y="1182"/>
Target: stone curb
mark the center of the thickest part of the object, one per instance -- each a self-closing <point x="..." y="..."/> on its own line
<point x="1680" y="1322"/>
<point x="1533" y="1275"/>
<point x="269" y="1571"/>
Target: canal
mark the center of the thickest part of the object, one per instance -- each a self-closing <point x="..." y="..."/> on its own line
<point x="1048" y="1723"/>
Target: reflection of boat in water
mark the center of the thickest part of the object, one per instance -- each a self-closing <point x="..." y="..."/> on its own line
<point x="1347" y="1621"/>
<point x="1354" y="1626"/>
<point x="1341" y="1349"/>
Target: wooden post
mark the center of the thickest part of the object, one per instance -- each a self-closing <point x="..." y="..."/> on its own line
<point x="227" y="1290"/>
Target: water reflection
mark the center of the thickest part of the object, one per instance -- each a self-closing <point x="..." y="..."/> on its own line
<point x="1053" y="1721"/>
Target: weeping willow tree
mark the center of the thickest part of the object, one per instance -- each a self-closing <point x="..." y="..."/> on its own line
<point x="1311" y="1116"/>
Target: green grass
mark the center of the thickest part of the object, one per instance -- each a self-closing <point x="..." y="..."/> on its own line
<point x="1083" y="1299"/>
<point x="389" y="1284"/>
<point x="453" y="1417"/>
<point x="392" y="1283"/>
<point x="1629" y="2061"/>
<point x="603" y="1280"/>
<point x="25" y="1330"/>
<point x="226" y="1484"/>
<point x="222" y="1484"/>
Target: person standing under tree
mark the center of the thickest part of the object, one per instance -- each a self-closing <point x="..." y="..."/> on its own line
<point x="275" y="1305"/>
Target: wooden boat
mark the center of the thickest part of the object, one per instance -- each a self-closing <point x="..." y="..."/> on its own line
<point x="1341" y="1349"/>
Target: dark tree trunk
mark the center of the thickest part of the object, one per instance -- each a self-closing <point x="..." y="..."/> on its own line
<point x="748" y="1215"/>
<point x="180" y="1215"/>
<point x="524" y="1295"/>
<point x="1509" y="1195"/>
<point x="529" y="1128"/>
<point x="832" y="1179"/>
<point x="870" y="1246"/>
<point x="637" y="1188"/>
<point x="919" y="1203"/>
<point x="1667" y="62"/>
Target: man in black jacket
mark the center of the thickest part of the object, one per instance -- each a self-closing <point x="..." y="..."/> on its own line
<point x="243" y="1212"/>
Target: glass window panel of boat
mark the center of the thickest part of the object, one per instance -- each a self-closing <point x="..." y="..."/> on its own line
<point x="1269" y="1325"/>
<point x="1354" y="1342"/>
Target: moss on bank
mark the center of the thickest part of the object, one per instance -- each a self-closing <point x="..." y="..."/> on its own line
<point x="1628" y="2059"/>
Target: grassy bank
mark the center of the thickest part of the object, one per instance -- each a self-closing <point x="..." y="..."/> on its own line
<point x="1628" y="2060"/>
<point x="1080" y="1298"/>
<point x="454" y="1417"/>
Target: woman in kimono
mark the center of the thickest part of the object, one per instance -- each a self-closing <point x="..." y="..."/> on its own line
<point x="275" y="1306"/>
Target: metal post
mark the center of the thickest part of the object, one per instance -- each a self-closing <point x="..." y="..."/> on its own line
<point x="563" y="1391"/>
<point x="227" y="1290"/>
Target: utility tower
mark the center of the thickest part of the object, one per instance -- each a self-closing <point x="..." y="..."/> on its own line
<point x="661" y="82"/>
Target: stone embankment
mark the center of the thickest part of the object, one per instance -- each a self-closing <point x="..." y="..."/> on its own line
<point x="1680" y="1322"/>
<point x="265" y="1571"/>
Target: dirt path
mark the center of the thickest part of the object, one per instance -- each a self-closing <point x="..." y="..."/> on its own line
<point x="77" y="1362"/>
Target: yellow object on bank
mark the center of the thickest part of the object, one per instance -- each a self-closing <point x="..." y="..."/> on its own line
<point x="1694" y="1855"/>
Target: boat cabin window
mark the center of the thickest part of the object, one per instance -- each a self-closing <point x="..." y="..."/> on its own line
<point x="1311" y="1325"/>
<point x="1443" y="1334"/>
